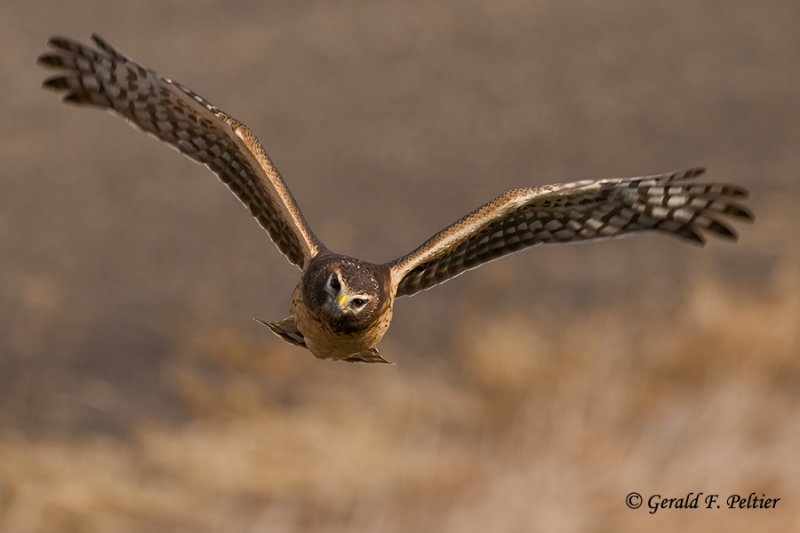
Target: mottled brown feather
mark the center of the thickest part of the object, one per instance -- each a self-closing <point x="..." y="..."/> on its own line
<point x="107" y="79"/>
<point x="571" y="212"/>
<point x="519" y="219"/>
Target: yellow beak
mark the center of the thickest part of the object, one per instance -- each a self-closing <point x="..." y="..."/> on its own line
<point x="342" y="300"/>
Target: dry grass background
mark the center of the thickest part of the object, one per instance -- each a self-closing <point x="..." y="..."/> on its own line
<point x="531" y="395"/>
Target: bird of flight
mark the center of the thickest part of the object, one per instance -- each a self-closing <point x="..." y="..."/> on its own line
<point x="342" y="306"/>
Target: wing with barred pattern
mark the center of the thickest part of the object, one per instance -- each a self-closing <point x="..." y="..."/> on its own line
<point x="571" y="212"/>
<point x="107" y="79"/>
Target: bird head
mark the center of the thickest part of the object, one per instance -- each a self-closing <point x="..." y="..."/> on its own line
<point x="347" y="294"/>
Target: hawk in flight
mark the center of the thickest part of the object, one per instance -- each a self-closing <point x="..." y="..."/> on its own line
<point x="342" y="306"/>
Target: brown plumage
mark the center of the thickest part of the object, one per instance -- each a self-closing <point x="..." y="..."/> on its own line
<point x="181" y="118"/>
<point x="342" y="306"/>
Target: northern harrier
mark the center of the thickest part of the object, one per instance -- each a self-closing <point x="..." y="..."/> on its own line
<point x="342" y="306"/>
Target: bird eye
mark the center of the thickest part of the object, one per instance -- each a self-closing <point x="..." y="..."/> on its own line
<point x="333" y="283"/>
<point x="358" y="302"/>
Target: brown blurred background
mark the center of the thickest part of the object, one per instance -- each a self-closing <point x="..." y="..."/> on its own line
<point x="532" y="395"/>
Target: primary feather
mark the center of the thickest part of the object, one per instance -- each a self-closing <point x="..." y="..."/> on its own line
<point x="572" y="212"/>
<point x="107" y="79"/>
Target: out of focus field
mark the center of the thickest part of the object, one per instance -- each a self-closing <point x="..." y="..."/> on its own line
<point x="136" y="394"/>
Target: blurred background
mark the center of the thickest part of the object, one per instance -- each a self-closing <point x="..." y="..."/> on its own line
<point x="136" y="393"/>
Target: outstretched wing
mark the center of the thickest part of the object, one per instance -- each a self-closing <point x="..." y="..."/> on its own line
<point x="571" y="212"/>
<point x="107" y="79"/>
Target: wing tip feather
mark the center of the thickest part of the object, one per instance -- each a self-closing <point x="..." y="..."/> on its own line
<point x="720" y="229"/>
<point x="61" y="42"/>
<point x="104" y="45"/>
<point x="694" y="172"/>
<point x="56" y="83"/>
